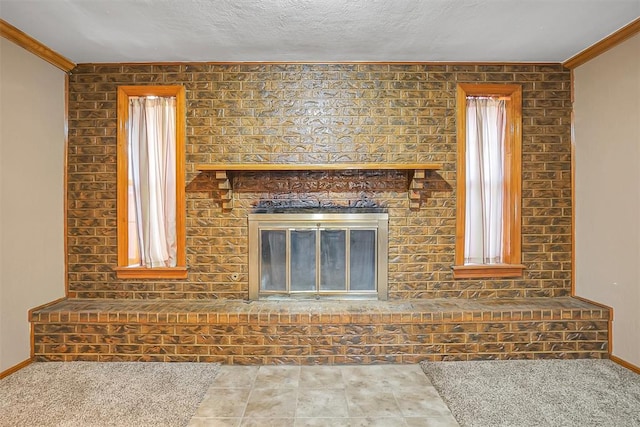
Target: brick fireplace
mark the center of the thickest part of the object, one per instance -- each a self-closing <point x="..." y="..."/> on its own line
<point x="320" y="114"/>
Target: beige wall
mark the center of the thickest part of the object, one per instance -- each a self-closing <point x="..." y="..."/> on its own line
<point x="607" y="145"/>
<point x="31" y="194"/>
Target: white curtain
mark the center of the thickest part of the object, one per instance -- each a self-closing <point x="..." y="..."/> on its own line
<point x="486" y="119"/>
<point x="152" y="182"/>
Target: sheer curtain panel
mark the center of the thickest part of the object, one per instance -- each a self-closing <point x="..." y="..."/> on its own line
<point x="485" y="161"/>
<point x="152" y="182"/>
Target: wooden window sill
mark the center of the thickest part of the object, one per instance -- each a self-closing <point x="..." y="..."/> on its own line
<point x="151" y="273"/>
<point x="479" y="271"/>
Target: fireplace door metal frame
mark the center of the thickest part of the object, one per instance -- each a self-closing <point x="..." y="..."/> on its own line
<point x="288" y="222"/>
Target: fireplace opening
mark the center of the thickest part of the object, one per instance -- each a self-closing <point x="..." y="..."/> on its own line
<point x="328" y="253"/>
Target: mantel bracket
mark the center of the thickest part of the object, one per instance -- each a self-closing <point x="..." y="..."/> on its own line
<point x="416" y="183"/>
<point x="226" y="189"/>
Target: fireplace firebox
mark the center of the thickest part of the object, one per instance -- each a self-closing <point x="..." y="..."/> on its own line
<point x="335" y="253"/>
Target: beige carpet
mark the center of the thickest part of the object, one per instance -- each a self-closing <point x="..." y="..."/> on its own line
<point x="568" y="393"/>
<point x="91" y="394"/>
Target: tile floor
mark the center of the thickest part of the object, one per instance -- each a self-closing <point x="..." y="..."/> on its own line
<point x="335" y="396"/>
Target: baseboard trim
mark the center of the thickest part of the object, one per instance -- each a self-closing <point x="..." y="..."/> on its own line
<point x="15" y="368"/>
<point x="624" y="363"/>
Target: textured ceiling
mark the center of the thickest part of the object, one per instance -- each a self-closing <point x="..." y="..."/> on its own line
<point x="319" y="30"/>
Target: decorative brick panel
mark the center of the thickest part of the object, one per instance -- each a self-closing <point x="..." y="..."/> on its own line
<point x="320" y="113"/>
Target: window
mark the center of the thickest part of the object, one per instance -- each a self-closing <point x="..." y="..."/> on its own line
<point x="151" y="200"/>
<point x="489" y="120"/>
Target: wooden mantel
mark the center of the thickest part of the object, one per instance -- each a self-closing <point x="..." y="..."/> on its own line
<point x="225" y="171"/>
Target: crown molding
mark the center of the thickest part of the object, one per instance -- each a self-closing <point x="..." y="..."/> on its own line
<point x="27" y="42"/>
<point x="603" y="45"/>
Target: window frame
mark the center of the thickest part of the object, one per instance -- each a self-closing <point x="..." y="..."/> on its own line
<point x="123" y="270"/>
<point x="512" y="245"/>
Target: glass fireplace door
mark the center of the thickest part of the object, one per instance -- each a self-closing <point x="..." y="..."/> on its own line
<point x="317" y="260"/>
<point x="274" y="260"/>
<point x="333" y="262"/>
<point x="303" y="265"/>
<point x="340" y="258"/>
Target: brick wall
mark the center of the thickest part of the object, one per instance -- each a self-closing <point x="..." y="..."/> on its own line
<point x="320" y="113"/>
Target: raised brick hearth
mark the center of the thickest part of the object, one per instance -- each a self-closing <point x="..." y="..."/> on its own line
<point x="320" y="332"/>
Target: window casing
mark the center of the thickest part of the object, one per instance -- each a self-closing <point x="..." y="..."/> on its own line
<point x="510" y="262"/>
<point x="127" y="266"/>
